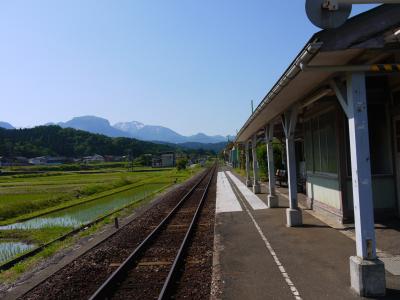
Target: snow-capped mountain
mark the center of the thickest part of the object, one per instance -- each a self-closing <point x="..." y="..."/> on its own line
<point x="137" y="130"/>
<point x="131" y="127"/>
<point x="163" y="134"/>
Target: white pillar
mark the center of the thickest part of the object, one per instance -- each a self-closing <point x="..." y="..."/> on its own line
<point x="367" y="273"/>
<point x="293" y="214"/>
<point x="256" y="178"/>
<point x="291" y="171"/>
<point x="369" y="282"/>
<point x="248" y="180"/>
<point x="272" y="198"/>
<point x="361" y="167"/>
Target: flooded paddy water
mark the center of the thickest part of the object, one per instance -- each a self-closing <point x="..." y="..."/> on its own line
<point x="11" y="249"/>
<point x="75" y="216"/>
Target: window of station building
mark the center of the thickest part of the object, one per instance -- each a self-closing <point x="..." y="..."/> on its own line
<point x="320" y="144"/>
<point x="308" y="146"/>
<point x="379" y="141"/>
<point x="396" y="98"/>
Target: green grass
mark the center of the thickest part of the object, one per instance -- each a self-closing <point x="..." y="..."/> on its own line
<point x="34" y="236"/>
<point x="240" y="172"/>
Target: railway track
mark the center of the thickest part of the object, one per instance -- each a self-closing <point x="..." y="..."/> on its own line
<point x="152" y="268"/>
<point x="80" y="278"/>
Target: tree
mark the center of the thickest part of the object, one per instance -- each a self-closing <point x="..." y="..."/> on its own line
<point x="181" y="164"/>
<point x="54" y="140"/>
<point x="263" y="160"/>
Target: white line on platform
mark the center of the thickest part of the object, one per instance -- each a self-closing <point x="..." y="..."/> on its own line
<point x="226" y="198"/>
<point x="281" y="268"/>
<point x="254" y="201"/>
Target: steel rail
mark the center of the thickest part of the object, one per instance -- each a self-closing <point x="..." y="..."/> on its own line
<point x="106" y="289"/>
<point x="168" y="284"/>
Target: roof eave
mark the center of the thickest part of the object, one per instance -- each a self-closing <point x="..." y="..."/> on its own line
<point x="308" y="52"/>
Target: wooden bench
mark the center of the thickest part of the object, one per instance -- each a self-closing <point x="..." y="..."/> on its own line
<point x="301" y="184"/>
<point x="281" y="176"/>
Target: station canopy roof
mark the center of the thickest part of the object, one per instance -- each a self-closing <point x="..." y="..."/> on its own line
<point x="361" y="39"/>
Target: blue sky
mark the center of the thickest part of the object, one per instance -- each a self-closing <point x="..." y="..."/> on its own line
<point x="193" y="66"/>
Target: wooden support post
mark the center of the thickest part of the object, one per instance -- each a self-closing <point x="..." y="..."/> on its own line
<point x="361" y="166"/>
<point x="289" y="120"/>
<point x="272" y="198"/>
<point x="248" y="180"/>
<point x="256" y="178"/>
<point x="367" y="273"/>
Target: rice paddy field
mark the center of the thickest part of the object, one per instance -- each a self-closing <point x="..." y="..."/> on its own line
<point x="22" y="195"/>
<point x="36" y="208"/>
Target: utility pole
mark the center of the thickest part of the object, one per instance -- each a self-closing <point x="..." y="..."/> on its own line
<point x="132" y="161"/>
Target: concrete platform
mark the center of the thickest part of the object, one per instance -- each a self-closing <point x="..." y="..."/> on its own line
<point x="258" y="257"/>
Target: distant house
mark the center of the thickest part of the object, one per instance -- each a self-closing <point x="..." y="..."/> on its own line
<point x="156" y="162"/>
<point x="202" y="162"/>
<point x="5" y="161"/>
<point x="40" y="160"/>
<point x="21" y="161"/>
<point x="168" y="159"/>
<point x="113" y="158"/>
<point x="49" y="160"/>
<point x="93" y="158"/>
<point x="165" y="160"/>
<point x="57" y="160"/>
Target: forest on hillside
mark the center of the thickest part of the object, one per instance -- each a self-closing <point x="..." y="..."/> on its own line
<point x="56" y="141"/>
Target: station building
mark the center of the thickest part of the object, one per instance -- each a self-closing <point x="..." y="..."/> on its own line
<point x="321" y="136"/>
<point x="337" y="107"/>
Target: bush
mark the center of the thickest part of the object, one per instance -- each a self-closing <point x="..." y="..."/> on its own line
<point x="277" y="147"/>
<point x="181" y="164"/>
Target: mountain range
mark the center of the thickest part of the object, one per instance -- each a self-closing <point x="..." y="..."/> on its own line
<point x="134" y="129"/>
<point x="6" y="125"/>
